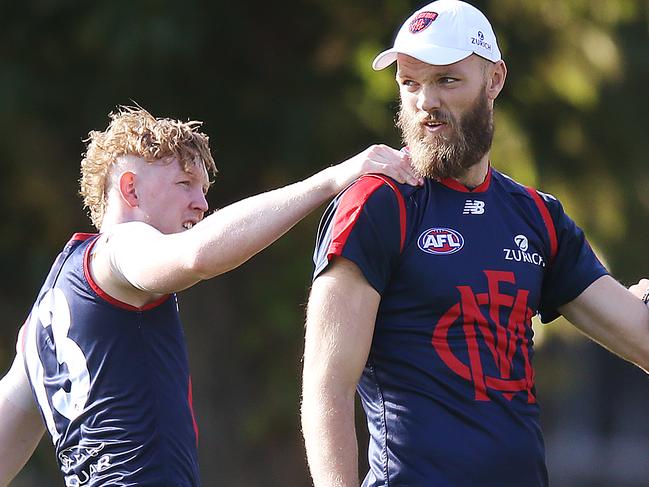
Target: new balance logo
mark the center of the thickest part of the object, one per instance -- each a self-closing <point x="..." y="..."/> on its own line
<point x="473" y="207"/>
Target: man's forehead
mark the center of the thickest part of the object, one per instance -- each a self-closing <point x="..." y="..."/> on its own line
<point x="195" y="168"/>
<point x="409" y="63"/>
<point x="198" y="171"/>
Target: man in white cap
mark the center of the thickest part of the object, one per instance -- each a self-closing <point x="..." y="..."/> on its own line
<point x="423" y="297"/>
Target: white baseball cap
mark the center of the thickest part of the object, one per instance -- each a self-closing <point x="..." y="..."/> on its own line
<point x="443" y="32"/>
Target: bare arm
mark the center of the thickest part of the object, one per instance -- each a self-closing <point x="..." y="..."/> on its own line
<point x="339" y="329"/>
<point x="614" y="317"/>
<point x="21" y="426"/>
<point x="156" y="264"/>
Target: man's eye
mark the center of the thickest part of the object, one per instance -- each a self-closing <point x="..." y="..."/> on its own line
<point x="447" y="80"/>
<point x="408" y="83"/>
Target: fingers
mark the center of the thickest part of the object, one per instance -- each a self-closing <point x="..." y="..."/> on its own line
<point x="640" y="289"/>
<point x="380" y="159"/>
<point x="391" y="162"/>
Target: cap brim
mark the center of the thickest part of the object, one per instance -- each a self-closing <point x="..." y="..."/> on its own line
<point x="427" y="53"/>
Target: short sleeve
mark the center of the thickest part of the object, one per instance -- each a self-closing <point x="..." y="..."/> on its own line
<point x="364" y="224"/>
<point x="574" y="267"/>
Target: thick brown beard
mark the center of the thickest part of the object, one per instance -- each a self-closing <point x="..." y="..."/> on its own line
<point x="440" y="157"/>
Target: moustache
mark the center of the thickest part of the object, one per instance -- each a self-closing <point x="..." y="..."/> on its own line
<point x="435" y="117"/>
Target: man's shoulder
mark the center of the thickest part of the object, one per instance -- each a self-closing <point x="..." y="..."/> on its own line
<point x="121" y="235"/>
<point x="128" y="228"/>
<point x="512" y="186"/>
<point x="369" y="183"/>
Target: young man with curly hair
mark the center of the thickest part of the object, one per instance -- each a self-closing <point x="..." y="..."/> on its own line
<point x="101" y="360"/>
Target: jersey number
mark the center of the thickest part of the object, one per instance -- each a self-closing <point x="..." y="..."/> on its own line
<point x="69" y="400"/>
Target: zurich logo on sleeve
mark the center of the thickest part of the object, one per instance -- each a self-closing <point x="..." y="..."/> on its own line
<point x="440" y="241"/>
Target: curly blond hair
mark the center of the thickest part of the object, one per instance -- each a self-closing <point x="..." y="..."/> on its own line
<point x="134" y="131"/>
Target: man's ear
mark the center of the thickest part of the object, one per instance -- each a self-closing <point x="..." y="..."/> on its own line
<point x="127" y="189"/>
<point x="496" y="79"/>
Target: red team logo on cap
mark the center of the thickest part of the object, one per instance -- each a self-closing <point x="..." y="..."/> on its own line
<point x="421" y="21"/>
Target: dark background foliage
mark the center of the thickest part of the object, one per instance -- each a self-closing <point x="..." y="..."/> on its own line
<point x="285" y="88"/>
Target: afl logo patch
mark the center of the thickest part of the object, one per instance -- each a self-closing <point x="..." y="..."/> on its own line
<point x="440" y="241"/>
<point x="421" y="21"/>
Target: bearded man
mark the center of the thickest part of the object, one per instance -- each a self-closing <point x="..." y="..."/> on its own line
<point x="423" y="297"/>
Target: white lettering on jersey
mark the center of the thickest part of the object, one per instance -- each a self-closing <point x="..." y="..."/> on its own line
<point x="521" y="254"/>
<point x="36" y="375"/>
<point x="84" y="476"/>
<point x="440" y="241"/>
<point x="53" y="311"/>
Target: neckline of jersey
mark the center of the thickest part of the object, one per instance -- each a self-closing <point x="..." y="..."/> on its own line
<point x="455" y="185"/>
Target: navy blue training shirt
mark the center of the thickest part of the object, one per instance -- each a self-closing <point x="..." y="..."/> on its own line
<point x="448" y="388"/>
<point x="111" y="380"/>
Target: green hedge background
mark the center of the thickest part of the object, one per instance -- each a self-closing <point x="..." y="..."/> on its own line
<point x="285" y="88"/>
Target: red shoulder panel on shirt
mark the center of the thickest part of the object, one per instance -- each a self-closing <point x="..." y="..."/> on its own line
<point x="81" y="237"/>
<point x="350" y="206"/>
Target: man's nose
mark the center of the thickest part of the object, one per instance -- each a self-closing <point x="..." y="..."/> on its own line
<point x="200" y="202"/>
<point x="428" y="99"/>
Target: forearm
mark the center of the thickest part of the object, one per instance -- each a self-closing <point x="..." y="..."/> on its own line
<point x="234" y="234"/>
<point x="21" y="427"/>
<point x="630" y="343"/>
<point x="158" y="264"/>
<point x="18" y="440"/>
<point x="615" y="318"/>
<point x="155" y="263"/>
<point x="330" y="437"/>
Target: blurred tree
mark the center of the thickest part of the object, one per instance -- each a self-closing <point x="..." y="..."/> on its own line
<point x="285" y="88"/>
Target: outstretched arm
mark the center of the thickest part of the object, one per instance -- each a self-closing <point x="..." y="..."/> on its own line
<point x="21" y="426"/>
<point x="614" y="317"/>
<point x="156" y="264"/>
<point x="339" y="328"/>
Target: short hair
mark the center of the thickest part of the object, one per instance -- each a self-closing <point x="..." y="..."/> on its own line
<point x="134" y="131"/>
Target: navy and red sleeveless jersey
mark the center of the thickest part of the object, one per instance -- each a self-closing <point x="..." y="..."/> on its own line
<point x="111" y="381"/>
<point x="448" y="388"/>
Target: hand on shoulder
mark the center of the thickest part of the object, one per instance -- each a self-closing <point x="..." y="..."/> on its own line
<point x="381" y="159"/>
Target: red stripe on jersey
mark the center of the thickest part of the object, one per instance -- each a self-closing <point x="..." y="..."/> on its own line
<point x="81" y="236"/>
<point x="402" y="208"/>
<point x="350" y="206"/>
<point x="457" y="186"/>
<point x="547" y="220"/>
<point x="107" y="297"/>
<point x="190" y="399"/>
